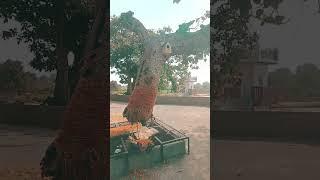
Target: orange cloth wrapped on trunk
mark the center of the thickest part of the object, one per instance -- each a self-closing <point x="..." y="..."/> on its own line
<point x="126" y="128"/>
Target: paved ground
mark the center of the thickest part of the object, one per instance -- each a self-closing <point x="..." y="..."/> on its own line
<point x="300" y="109"/>
<point x="195" y="122"/>
<point x="21" y="148"/>
<point x="257" y="160"/>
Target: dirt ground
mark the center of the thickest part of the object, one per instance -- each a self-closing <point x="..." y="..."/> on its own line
<point x="257" y="160"/>
<point x="21" y="148"/>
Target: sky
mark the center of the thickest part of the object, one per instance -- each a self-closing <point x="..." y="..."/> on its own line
<point x="155" y="14"/>
<point x="297" y="41"/>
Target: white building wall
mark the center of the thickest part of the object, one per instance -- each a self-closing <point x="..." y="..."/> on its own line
<point x="247" y="78"/>
<point x="260" y="75"/>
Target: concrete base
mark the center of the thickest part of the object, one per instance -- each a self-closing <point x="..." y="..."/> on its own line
<point x="123" y="164"/>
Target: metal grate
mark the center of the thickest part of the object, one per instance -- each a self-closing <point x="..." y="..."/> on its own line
<point x="165" y="129"/>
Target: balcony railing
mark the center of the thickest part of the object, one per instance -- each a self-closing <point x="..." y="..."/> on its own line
<point x="247" y="54"/>
<point x="268" y="54"/>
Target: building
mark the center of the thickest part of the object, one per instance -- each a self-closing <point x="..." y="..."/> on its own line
<point x="189" y="85"/>
<point x="252" y="90"/>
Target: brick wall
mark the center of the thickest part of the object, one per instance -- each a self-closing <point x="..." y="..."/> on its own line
<point x="31" y="115"/>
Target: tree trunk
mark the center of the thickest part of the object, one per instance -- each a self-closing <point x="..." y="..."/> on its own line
<point x="61" y="90"/>
<point x="133" y="84"/>
<point x="142" y="100"/>
<point x="80" y="151"/>
<point x="74" y="76"/>
<point x="129" y="86"/>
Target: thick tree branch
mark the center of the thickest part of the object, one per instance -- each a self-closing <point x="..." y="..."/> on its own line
<point x="97" y="26"/>
<point x="189" y="43"/>
<point x="134" y="25"/>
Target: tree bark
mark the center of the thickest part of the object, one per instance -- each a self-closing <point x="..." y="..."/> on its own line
<point x="61" y="90"/>
<point x="80" y="151"/>
<point x="129" y="86"/>
<point x="156" y="52"/>
<point x="157" y="49"/>
<point x="142" y="100"/>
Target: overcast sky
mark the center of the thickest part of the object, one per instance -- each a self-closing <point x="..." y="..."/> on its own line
<point x="298" y="41"/>
<point x="160" y="13"/>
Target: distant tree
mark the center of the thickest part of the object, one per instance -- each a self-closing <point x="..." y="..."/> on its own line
<point x="51" y="29"/>
<point x="126" y="50"/>
<point x="29" y="80"/>
<point x="43" y="83"/>
<point x="11" y="75"/>
<point x="114" y="86"/>
<point x="206" y="87"/>
<point x="307" y="79"/>
<point x="198" y="87"/>
<point x="282" y="77"/>
<point x="202" y="88"/>
<point x="304" y="82"/>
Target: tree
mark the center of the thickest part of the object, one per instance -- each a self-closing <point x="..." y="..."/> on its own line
<point x="114" y="86"/>
<point x="230" y="34"/>
<point x="173" y="74"/>
<point x="307" y="80"/>
<point x="84" y="135"/>
<point x="198" y="87"/>
<point x="304" y="82"/>
<point x="51" y="29"/>
<point x="126" y="49"/>
<point x="282" y="77"/>
<point x="11" y="75"/>
<point x="29" y="80"/>
<point x="182" y="45"/>
<point x="206" y="87"/>
<point x="202" y="88"/>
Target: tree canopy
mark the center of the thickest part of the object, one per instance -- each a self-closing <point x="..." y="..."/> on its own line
<point x="11" y="75"/>
<point x="14" y="78"/>
<point x="301" y="83"/>
<point x="52" y="29"/>
<point x="37" y="21"/>
<point x="126" y="49"/>
<point x="230" y="33"/>
<point x="127" y="42"/>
